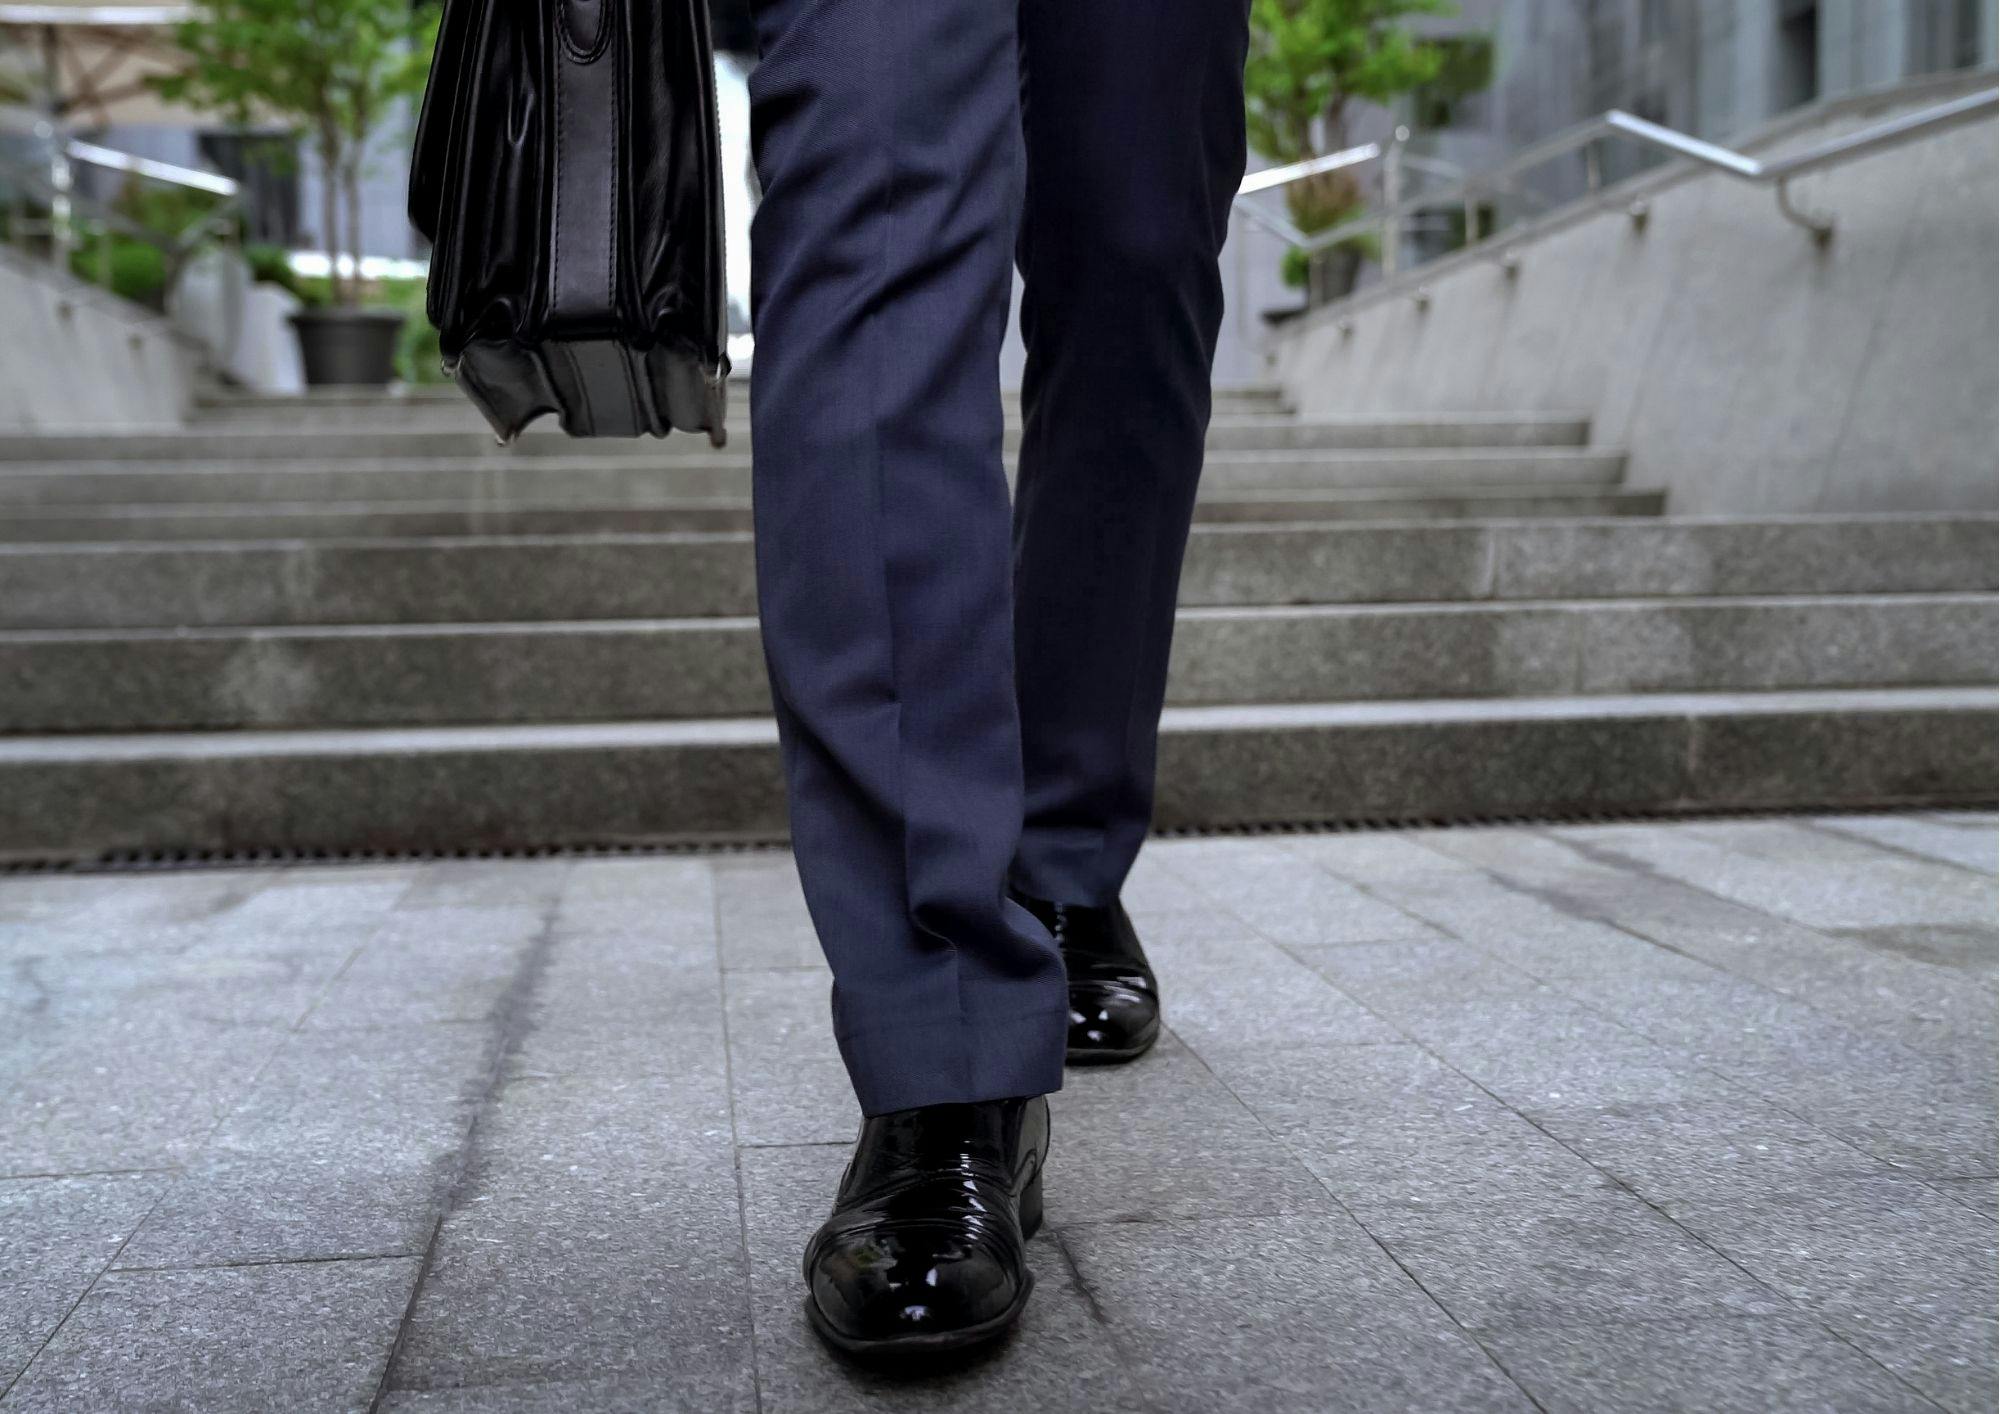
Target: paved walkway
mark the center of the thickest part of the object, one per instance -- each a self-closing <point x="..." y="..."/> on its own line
<point x="1690" y="1116"/>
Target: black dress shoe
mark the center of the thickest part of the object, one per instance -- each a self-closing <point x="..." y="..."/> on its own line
<point x="1114" y="1001"/>
<point x="926" y="1248"/>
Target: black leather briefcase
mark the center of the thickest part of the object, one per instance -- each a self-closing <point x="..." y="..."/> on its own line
<point x="567" y="175"/>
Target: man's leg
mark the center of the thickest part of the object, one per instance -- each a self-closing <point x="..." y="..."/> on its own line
<point x="885" y="134"/>
<point x="1133" y="115"/>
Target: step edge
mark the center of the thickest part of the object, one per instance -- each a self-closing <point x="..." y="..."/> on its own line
<point x="737" y="732"/>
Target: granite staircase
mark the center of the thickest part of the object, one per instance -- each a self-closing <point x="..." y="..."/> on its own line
<point x="351" y="623"/>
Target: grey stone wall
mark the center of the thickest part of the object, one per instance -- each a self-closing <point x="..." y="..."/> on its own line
<point x="78" y="359"/>
<point x="1744" y="368"/>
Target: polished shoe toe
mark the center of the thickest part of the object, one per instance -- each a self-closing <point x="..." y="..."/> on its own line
<point x="1110" y="1022"/>
<point x="926" y="1249"/>
<point x="1114" y="999"/>
<point x="905" y="1287"/>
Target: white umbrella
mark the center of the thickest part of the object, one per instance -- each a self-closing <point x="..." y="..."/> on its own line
<point x="89" y="64"/>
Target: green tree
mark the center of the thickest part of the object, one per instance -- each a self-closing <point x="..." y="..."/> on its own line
<point x="1309" y="59"/>
<point x="331" y="71"/>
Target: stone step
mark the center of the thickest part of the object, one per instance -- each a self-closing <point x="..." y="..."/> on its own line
<point x="594" y="480"/>
<point x="85" y="797"/>
<point x="524" y="579"/>
<point x="625" y="670"/>
<point x="447" y="407"/>
<point x="362" y="436"/>
<point x="323" y="520"/>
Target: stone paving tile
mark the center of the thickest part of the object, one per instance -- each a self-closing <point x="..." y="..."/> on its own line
<point x="1207" y="933"/>
<point x="605" y="1088"/>
<point x="641" y="978"/>
<point x="82" y="903"/>
<point x="1279" y="1314"/>
<point x="1575" y="1006"/>
<point x="1538" y="1050"/>
<point x="306" y="898"/>
<point x="343" y="1148"/>
<point x="1530" y="932"/>
<point x="76" y="915"/>
<point x="1061" y="1356"/>
<point x="186" y="960"/>
<point x="1964" y="948"/>
<point x="1415" y="970"/>
<point x="555" y="1271"/>
<point x="1290" y="899"/>
<point x="597" y="1234"/>
<point x="1720" y="1021"/>
<point x="1719" y="1365"/>
<point x="63" y="994"/>
<point x="1900" y="1270"/>
<point x="761" y="913"/>
<point x="1806" y="875"/>
<point x="138" y="1091"/>
<point x="1391" y="1125"/>
<point x="487" y="883"/>
<point x="1975" y="847"/>
<point x="1744" y="1150"/>
<point x="432" y="965"/>
<point x="1932" y="1111"/>
<point x="1562" y="1259"/>
<point x="790" y="1086"/>
<point x="57" y="1234"/>
<point x="1163" y="1137"/>
<point x="1380" y="861"/>
<point x="670" y="895"/>
<point x="1982" y="1195"/>
<point x="1254" y="994"/>
<point x="1869" y="979"/>
<point x="642" y="1394"/>
<point x="1928" y="1108"/>
<point x="1156" y="885"/>
<point x="305" y="1337"/>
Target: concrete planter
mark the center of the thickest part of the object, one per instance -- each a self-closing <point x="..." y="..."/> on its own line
<point x="346" y="347"/>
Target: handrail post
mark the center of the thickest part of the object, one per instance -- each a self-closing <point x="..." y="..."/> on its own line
<point x="1820" y="227"/>
<point x="62" y="181"/>
<point x="1392" y="197"/>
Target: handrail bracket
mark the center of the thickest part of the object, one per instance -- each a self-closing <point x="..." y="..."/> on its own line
<point x="1820" y="226"/>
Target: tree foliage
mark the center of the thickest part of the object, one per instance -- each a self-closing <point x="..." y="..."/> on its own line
<point x="330" y="71"/>
<point x="1308" y="60"/>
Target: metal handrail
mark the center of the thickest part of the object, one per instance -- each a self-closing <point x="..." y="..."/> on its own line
<point x="56" y="182"/>
<point x="63" y="200"/>
<point x="52" y="185"/>
<point x="1394" y="156"/>
<point x="151" y="168"/>
<point x="1503" y="180"/>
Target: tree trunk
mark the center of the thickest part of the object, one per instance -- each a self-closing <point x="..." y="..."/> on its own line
<point x="352" y="181"/>
<point x="329" y="214"/>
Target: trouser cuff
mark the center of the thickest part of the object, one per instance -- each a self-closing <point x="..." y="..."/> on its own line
<point x="956" y="1061"/>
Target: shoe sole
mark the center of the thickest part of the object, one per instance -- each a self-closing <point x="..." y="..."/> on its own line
<point x="1077" y="1055"/>
<point x="915" y="1347"/>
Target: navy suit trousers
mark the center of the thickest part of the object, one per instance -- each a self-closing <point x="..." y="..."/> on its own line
<point x="969" y="694"/>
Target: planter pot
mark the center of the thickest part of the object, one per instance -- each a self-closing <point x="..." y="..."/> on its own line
<point x="1331" y="275"/>
<point x="348" y="346"/>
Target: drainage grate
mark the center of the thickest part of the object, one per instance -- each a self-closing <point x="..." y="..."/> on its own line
<point x="160" y="861"/>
